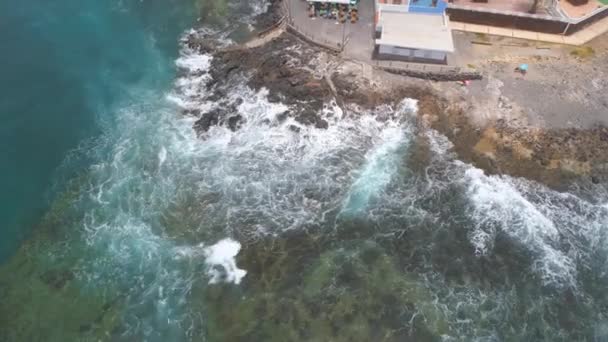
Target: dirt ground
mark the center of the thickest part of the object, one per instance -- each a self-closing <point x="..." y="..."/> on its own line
<point x="548" y="125"/>
<point x="581" y="10"/>
<point x="565" y="87"/>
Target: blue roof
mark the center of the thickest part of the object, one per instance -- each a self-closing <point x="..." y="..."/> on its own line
<point x="426" y="6"/>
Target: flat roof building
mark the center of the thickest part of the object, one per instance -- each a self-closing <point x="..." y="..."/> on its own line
<point x="404" y="32"/>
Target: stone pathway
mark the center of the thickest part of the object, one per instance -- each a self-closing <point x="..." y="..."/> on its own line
<point x="356" y="40"/>
<point x="267" y="37"/>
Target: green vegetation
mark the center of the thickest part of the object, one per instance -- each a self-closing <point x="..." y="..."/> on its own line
<point x="583" y="52"/>
<point x="482" y="37"/>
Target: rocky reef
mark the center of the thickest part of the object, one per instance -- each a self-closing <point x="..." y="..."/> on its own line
<point x="558" y="158"/>
<point x="303" y="289"/>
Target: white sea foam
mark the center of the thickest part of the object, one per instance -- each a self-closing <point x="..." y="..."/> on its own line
<point x="258" y="6"/>
<point x="189" y="88"/>
<point x="381" y="162"/>
<point x="498" y="205"/>
<point x="162" y="156"/>
<point x="220" y="259"/>
<point x="193" y="62"/>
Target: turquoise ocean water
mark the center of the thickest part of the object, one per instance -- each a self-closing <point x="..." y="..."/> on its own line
<point x="65" y="67"/>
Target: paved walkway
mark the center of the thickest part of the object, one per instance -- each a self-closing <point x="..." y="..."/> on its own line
<point x="356" y="38"/>
<point x="268" y="36"/>
<point x="579" y="38"/>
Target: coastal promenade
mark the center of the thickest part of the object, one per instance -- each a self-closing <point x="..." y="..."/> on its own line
<point x="357" y="40"/>
<point x="354" y="41"/>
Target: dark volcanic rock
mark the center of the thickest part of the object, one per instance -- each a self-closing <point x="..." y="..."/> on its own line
<point x="297" y="80"/>
<point x="192" y="112"/>
<point x="556" y="157"/>
<point x="200" y="44"/>
<point x="225" y="114"/>
<point x="275" y="67"/>
<point x="307" y="117"/>
<point x="271" y="16"/>
<point x="234" y="122"/>
<point x="274" y="97"/>
<point x="57" y="279"/>
<point x="294" y="128"/>
<point x="321" y="123"/>
<point x="207" y="120"/>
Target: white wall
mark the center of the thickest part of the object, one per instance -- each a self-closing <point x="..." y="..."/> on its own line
<point x="408" y="53"/>
<point x="392" y="8"/>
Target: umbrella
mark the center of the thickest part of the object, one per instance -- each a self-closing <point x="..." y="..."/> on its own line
<point x="523" y="67"/>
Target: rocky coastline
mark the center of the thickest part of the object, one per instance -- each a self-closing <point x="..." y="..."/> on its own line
<point x="306" y="78"/>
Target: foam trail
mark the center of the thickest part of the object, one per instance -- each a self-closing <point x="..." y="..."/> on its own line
<point x="189" y="88"/>
<point x="381" y="164"/>
<point x="162" y="156"/>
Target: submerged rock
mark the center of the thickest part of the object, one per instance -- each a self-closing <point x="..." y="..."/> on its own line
<point x="278" y="67"/>
<point x="300" y="287"/>
<point x="57" y="278"/>
<point x="234" y="122"/>
<point x="208" y="119"/>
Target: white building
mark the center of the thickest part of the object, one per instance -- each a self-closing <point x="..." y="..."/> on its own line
<point x="420" y="35"/>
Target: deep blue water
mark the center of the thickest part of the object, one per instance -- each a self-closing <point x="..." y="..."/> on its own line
<point x="65" y="66"/>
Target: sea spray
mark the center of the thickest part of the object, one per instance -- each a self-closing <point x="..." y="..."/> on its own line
<point x="379" y="167"/>
<point x="221" y="263"/>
